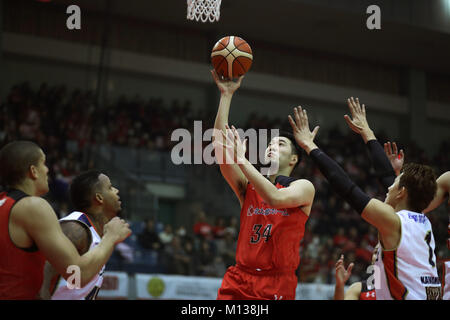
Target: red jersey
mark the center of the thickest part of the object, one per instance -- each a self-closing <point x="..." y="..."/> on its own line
<point x="21" y="269"/>
<point x="366" y="293"/>
<point x="269" y="238"/>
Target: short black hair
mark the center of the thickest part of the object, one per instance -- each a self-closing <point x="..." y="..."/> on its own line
<point x="83" y="188"/>
<point x="296" y="149"/>
<point x="420" y="182"/>
<point x="15" y="160"/>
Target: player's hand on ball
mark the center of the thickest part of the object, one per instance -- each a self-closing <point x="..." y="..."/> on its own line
<point x="226" y="86"/>
<point x="117" y="228"/>
<point x="300" y="127"/>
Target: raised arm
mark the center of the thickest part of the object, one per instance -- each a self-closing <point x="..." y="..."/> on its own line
<point x="396" y="158"/>
<point x="230" y="171"/>
<point x="39" y="220"/>
<point x="377" y="213"/>
<point x="443" y="189"/>
<point x="358" y="123"/>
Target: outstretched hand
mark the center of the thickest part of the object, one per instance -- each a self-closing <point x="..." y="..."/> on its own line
<point x="234" y="146"/>
<point x="358" y="122"/>
<point x="300" y="127"/>
<point x="397" y="159"/>
<point x="226" y="86"/>
<point x="342" y="275"/>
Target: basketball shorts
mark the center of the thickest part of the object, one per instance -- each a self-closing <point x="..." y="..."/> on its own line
<point x="240" y="284"/>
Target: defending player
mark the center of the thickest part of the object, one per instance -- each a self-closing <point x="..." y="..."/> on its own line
<point x="274" y="211"/>
<point x="406" y="258"/>
<point x="96" y="202"/>
<point x="389" y="165"/>
<point x="30" y="232"/>
<point x="443" y="190"/>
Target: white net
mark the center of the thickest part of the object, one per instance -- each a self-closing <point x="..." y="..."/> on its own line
<point x="203" y="10"/>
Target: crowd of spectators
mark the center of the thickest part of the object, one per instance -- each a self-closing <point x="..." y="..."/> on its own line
<point x="51" y="116"/>
<point x="204" y="250"/>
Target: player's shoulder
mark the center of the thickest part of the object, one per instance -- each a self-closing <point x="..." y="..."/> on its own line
<point x="305" y="183"/>
<point x="33" y="208"/>
<point x="444" y="181"/>
<point x="31" y="202"/>
<point x="78" y="233"/>
<point x="353" y="291"/>
<point x="356" y="286"/>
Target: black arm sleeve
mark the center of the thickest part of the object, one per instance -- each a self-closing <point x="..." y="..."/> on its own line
<point x="383" y="168"/>
<point x="340" y="181"/>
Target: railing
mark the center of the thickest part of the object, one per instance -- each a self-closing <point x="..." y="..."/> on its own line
<point x="143" y="165"/>
<point x="131" y="169"/>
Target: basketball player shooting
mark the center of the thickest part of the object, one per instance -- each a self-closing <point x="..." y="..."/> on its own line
<point x="274" y="211"/>
<point x="406" y="259"/>
<point x="96" y="202"/>
<point x="30" y="232"/>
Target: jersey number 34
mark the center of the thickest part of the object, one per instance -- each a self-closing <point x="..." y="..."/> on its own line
<point x="266" y="233"/>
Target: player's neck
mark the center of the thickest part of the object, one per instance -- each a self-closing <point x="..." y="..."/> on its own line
<point x="98" y="219"/>
<point x="401" y="206"/>
<point x="282" y="172"/>
<point x="27" y="187"/>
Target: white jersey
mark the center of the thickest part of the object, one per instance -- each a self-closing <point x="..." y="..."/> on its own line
<point x="446" y="272"/>
<point x="446" y="281"/>
<point x="409" y="272"/>
<point x="90" y="290"/>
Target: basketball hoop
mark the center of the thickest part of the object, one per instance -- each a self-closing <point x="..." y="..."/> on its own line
<point x="204" y="10"/>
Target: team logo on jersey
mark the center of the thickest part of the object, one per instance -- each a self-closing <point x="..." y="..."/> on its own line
<point x="419" y="218"/>
<point x="2" y="202"/>
<point x="265" y="211"/>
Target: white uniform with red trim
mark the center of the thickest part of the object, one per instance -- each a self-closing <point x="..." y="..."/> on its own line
<point x="409" y="272"/>
<point x="446" y="273"/>
<point x="90" y="290"/>
<point x="446" y="284"/>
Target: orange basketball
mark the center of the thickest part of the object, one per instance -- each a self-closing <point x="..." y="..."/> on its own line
<point x="231" y="57"/>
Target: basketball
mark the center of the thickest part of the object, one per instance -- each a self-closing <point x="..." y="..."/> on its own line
<point x="231" y="57"/>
